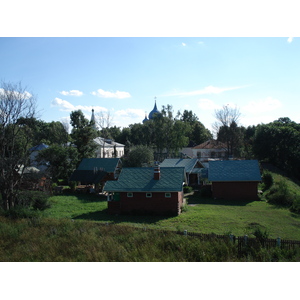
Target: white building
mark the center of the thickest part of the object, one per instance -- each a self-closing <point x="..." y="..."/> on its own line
<point x="107" y="148"/>
<point x="209" y="150"/>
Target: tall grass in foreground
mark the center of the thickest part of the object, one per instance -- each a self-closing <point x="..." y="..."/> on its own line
<point x="66" y="240"/>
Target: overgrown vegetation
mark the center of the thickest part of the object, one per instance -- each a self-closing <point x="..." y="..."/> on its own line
<point x="64" y="240"/>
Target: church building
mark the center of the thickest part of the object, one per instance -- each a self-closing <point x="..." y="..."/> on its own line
<point x="152" y="113"/>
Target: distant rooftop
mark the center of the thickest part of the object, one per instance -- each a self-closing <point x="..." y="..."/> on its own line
<point x="234" y="170"/>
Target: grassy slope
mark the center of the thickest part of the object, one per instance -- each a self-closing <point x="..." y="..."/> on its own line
<point x="202" y="215"/>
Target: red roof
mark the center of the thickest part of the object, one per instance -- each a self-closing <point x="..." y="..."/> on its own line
<point x="211" y="144"/>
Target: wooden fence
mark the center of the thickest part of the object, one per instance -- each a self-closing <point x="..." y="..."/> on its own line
<point x="245" y="241"/>
<point x="242" y="242"/>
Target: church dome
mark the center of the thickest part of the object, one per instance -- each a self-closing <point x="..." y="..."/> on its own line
<point x="153" y="112"/>
<point x="145" y="120"/>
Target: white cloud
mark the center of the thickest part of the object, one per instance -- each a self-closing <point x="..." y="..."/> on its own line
<point x="131" y="113"/>
<point x="16" y="95"/>
<point x="106" y="94"/>
<point x="207" y="104"/>
<point x="183" y="44"/>
<point x="64" y="105"/>
<point x="206" y="91"/>
<point x="290" y="39"/>
<point x="263" y="105"/>
<point x="122" y="118"/>
<point x="72" y="93"/>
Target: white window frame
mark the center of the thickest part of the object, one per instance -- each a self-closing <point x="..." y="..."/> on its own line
<point x="148" y="195"/>
<point x="129" y="195"/>
<point x="167" y="195"/>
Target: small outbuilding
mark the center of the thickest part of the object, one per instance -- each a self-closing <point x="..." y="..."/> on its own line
<point x="97" y="170"/>
<point x="147" y="191"/>
<point x="234" y="179"/>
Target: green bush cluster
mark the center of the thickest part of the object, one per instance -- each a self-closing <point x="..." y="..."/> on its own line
<point x="279" y="194"/>
<point x="28" y="203"/>
<point x="267" y="180"/>
<point x="187" y="189"/>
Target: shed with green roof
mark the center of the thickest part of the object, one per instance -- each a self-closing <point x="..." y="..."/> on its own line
<point x="234" y="179"/>
<point x="155" y="190"/>
<point x="96" y="170"/>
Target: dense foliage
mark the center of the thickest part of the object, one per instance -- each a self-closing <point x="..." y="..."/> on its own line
<point x="279" y="143"/>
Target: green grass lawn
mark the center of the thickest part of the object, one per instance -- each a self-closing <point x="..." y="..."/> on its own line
<point x="202" y="215"/>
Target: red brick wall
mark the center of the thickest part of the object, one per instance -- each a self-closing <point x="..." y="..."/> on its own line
<point x="157" y="204"/>
<point x="235" y="190"/>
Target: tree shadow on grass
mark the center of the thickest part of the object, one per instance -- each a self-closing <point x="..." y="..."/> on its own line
<point x="103" y="215"/>
<point x="197" y="199"/>
<point x="87" y="198"/>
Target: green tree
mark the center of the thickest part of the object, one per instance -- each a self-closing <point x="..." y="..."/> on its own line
<point x="61" y="160"/>
<point x="279" y="143"/>
<point x="15" y="139"/>
<point x="43" y="132"/>
<point x="138" y="156"/>
<point x="82" y="135"/>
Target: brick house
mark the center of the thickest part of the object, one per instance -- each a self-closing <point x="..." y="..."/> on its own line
<point x="147" y="191"/>
<point x="234" y="179"/>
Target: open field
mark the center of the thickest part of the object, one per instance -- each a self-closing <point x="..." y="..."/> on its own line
<point x="203" y="215"/>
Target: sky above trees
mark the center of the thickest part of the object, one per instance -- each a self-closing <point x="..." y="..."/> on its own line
<point x="123" y="75"/>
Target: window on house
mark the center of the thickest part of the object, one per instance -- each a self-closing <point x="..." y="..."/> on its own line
<point x="199" y="154"/>
<point x="129" y="195"/>
<point x="167" y="195"/>
<point x="149" y="195"/>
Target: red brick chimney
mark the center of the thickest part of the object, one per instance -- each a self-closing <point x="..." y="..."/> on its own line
<point x="156" y="171"/>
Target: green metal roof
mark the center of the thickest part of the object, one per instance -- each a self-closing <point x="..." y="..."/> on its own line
<point x="142" y="180"/>
<point x="187" y="163"/>
<point x="104" y="164"/>
<point x="234" y="170"/>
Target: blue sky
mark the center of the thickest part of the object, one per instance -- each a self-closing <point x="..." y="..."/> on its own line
<point x="120" y="75"/>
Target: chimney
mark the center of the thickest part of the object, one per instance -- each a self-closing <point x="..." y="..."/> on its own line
<point x="156" y="171"/>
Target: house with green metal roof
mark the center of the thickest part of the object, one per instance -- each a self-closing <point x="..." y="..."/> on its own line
<point x="192" y="166"/>
<point x="234" y="179"/>
<point x="97" y="170"/>
<point x="157" y="190"/>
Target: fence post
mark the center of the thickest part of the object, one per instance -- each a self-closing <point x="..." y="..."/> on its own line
<point x="278" y="242"/>
<point x="185" y="232"/>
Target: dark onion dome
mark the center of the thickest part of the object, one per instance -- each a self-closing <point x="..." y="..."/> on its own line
<point x="145" y="120"/>
<point x="153" y="112"/>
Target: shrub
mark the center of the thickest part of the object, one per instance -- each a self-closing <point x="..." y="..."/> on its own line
<point x="260" y="234"/>
<point x="20" y="212"/>
<point x="268" y="180"/>
<point x="279" y="194"/>
<point x="187" y="189"/>
<point x="35" y="199"/>
<point x="295" y="207"/>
